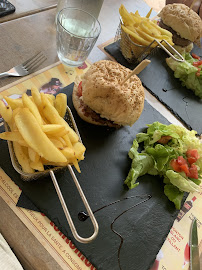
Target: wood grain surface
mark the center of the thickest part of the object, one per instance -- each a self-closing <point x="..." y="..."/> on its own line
<point x="28" y="7"/>
<point x="25" y="37"/>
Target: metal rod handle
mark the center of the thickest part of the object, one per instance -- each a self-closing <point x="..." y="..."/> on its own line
<point x="169" y="53"/>
<point x="66" y="211"/>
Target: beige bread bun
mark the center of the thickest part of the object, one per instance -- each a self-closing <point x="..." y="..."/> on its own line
<point x="183" y="20"/>
<point x="103" y="93"/>
<point x="84" y="111"/>
<point x="182" y="50"/>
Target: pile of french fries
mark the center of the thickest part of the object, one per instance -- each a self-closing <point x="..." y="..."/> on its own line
<point x="143" y="30"/>
<point x="39" y="133"/>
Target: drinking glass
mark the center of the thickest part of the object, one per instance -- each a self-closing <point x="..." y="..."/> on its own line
<point x="77" y="32"/>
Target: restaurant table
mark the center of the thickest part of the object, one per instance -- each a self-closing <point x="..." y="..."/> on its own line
<point x="22" y="38"/>
<point x="28" y="7"/>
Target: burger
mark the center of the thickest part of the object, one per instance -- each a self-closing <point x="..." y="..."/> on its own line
<point x="99" y="97"/>
<point x="184" y="23"/>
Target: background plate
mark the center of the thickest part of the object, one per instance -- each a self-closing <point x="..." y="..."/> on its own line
<point x="159" y="80"/>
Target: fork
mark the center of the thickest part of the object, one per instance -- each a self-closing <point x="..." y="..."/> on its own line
<point x="25" y="68"/>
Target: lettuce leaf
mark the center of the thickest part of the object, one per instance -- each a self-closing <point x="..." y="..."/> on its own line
<point x="182" y="183"/>
<point x="142" y="163"/>
<point x="174" y="195"/>
<point x="186" y="73"/>
<point x="155" y="159"/>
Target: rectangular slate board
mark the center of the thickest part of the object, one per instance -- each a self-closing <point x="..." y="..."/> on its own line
<point x="143" y="228"/>
<point x="159" y="80"/>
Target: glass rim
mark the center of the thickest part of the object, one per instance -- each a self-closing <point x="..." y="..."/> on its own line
<point x="78" y="9"/>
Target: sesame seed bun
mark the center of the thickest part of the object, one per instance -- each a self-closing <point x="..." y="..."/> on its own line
<point x="183" y="20"/>
<point x="102" y="93"/>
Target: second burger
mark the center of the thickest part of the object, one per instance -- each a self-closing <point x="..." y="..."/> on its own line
<point x="99" y="97"/>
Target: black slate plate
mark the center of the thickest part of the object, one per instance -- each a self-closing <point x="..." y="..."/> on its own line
<point x="144" y="228"/>
<point x="159" y="80"/>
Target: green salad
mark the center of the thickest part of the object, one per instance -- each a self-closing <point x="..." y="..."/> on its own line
<point x="188" y="72"/>
<point x="172" y="152"/>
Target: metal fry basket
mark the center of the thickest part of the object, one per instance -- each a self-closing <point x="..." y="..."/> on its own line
<point x="135" y="53"/>
<point x="50" y="170"/>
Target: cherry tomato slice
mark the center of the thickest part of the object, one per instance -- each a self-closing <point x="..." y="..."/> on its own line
<point x="80" y="89"/>
<point x="198" y="63"/>
<point x="193" y="172"/>
<point x="192" y="153"/>
<point x="195" y="56"/>
<point x="185" y="169"/>
<point x="174" y="164"/>
<point x="181" y="160"/>
<point x="191" y="160"/>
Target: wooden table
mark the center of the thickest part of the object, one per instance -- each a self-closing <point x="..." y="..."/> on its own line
<point x="24" y="37"/>
<point x="28" y="7"/>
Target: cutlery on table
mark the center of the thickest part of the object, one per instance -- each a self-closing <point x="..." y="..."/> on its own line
<point x="194" y="249"/>
<point x="25" y="68"/>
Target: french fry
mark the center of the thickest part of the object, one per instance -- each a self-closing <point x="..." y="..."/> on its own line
<point x="136" y="36"/>
<point x="81" y="158"/>
<point x="14" y="136"/>
<point x="126" y="16"/>
<point x="35" y="137"/>
<point x="33" y="155"/>
<point x="149" y="13"/>
<point x="69" y="153"/>
<point x="149" y="29"/>
<point x="67" y="140"/>
<point x="76" y="165"/>
<point x="163" y="31"/>
<point x="36" y="97"/>
<point x="64" y="142"/>
<point x="51" y="98"/>
<point x="6" y="112"/>
<point x="22" y="158"/>
<point x="79" y="149"/>
<point x="60" y="164"/>
<point x="32" y="107"/>
<point x="61" y="104"/>
<point x="52" y="115"/>
<point x="54" y="129"/>
<point x="137" y="14"/>
<point x="14" y="103"/>
<point x="56" y="142"/>
<point x="37" y="165"/>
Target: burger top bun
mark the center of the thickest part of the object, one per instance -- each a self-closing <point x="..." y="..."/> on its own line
<point x="103" y="93"/>
<point x="183" y="20"/>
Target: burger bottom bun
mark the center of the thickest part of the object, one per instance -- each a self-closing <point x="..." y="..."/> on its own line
<point x="85" y="112"/>
<point x="182" y="50"/>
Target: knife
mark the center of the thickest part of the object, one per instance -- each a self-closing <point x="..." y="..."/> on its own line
<point x="194" y="249"/>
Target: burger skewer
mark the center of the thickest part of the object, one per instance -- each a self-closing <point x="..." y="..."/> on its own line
<point x="137" y="70"/>
<point x="192" y="4"/>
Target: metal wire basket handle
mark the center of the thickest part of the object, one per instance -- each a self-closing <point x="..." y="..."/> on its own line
<point x="180" y="59"/>
<point x="66" y="211"/>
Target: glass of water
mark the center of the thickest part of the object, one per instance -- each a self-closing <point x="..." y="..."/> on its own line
<point x="77" y="32"/>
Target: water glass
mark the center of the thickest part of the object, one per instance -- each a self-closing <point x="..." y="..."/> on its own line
<point x="77" y="32"/>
